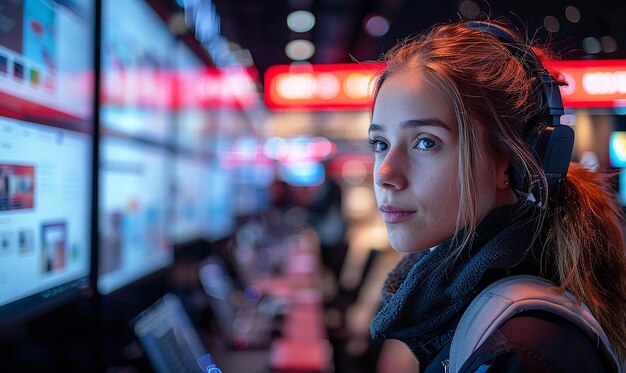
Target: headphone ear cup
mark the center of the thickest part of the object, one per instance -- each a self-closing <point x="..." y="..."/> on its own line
<point x="554" y="150"/>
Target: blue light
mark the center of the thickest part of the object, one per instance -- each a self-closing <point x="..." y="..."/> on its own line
<point x="303" y="173"/>
<point x="617" y="149"/>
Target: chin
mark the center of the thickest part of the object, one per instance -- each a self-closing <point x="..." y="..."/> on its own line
<point x="407" y="243"/>
<point x="406" y="247"/>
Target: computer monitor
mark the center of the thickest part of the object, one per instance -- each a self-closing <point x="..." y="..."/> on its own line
<point x="168" y="337"/>
<point x="203" y="199"/>
<point x="136" y="158"/>
<point x="134" y="239"/>
<point x="203" y="187"/>
<point x="221" y="202"/>
<point x="191" y="202"/>
<point x="137" y="72"/>
<point x="193" y="122"/>
<point x="46" y="146"/>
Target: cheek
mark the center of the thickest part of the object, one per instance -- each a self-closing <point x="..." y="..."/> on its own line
<point x="441" y="192"/>
<point x="446" y="182"/>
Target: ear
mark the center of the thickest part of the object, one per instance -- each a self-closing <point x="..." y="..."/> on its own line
<point x="502" y="174"/>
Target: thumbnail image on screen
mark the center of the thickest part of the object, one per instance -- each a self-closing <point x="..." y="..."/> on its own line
<point x="46" y="127"/>
<point x="134" y="204"/>
<point x="17" y="186"/>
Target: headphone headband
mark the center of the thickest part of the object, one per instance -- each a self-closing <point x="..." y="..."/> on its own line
<point x="552" y="142"/>
<point x="526" y="56"/>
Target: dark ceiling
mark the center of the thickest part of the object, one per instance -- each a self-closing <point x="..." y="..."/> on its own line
<point x="260" y="25"/>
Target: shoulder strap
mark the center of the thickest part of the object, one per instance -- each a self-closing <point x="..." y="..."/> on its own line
<point x="511" y="295"/>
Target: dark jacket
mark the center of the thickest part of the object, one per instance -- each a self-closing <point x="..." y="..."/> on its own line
<point x="423" y="302"/>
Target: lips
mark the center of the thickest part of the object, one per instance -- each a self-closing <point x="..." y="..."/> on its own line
<point x="394" y="215"/>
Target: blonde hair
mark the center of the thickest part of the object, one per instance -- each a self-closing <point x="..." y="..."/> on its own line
<point x="488" y="85"/>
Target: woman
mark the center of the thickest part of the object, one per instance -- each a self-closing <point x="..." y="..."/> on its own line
<point x="461" y="193"/>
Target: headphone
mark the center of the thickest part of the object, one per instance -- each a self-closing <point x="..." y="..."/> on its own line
<point x="551" y="142"/>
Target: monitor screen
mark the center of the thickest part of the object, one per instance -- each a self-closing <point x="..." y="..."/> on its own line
<point x="193" y="122"/>
<point x="204" y="205"/>
<point x="168" y="336"/>
<point x="136" y="117"/>
<point x="204" y="202"/>
<point x="138" y="63"/>
<point x="46" y="127"/>
<point x="220" y="194"/>
<point x="191" y="206"/>
<point x="46" y="73"/>
<point x="133" y="211"/>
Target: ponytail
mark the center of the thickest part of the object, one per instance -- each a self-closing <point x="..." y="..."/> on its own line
<point x="587" y="244"/>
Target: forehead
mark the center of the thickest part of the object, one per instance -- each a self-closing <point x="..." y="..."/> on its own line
<point x="408" y="94"/>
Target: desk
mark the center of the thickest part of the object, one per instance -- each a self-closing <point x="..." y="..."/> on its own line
<point x="303" y="345"/>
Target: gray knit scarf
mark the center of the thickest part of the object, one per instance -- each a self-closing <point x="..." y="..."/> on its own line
<point x="422" y="302"/>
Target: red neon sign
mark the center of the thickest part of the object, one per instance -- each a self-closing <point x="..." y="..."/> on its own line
<point x="597" y="83"/>
<point x="231" y="87"/>
<point x="319" y="87"/>
<point x="210" y="87"/>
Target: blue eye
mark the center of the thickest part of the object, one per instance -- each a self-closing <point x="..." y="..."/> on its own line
<point x="425" y="144"/>
<point x="377" y="146"/>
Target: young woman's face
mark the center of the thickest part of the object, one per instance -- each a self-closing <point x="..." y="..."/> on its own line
<point x="414" y="139"/>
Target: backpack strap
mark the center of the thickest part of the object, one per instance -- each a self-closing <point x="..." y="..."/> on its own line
<point x="509" y="296"/>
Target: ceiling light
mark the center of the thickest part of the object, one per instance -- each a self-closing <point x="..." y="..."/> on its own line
<point x="551" y="24"/>
<point x="299" y="49"/>
<point x="301" y="21"/>
<point x="468" y="9"/>
<point x="592" y="45"/>
<point x="376" y="25"/>
<point x="572" y="14"/>
<point x="609" y="45"/>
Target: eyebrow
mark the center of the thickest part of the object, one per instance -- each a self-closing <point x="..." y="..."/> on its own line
<point x="411" y="123"/>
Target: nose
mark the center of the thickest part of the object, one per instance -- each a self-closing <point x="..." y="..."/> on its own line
<point x="391" y="172"/>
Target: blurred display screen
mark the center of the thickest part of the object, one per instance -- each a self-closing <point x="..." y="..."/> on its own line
<point x="204" y="200"/>
<point x="46" y="127"/>
<point x="192" y="121"/>
<point x="252" y="188"/>
<point x="133" y="212"/>
<point x="137" y="71"/>
<point x="202" y="186"/>
<point x="221" y="206"/>
<point x="192" y="129"/>
<point x="191" y="212"/>
<point x="46" y="71"/>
